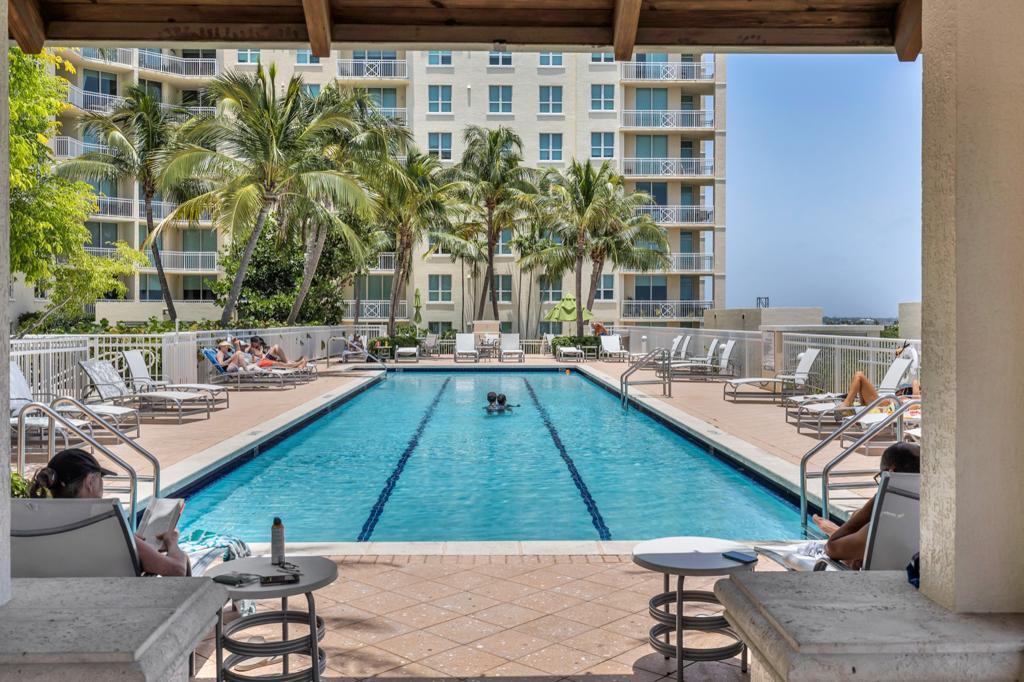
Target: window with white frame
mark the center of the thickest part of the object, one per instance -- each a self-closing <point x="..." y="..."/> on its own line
<point x="605" y="288"/>
<point x="439" y="327"/>
<point x="504" y="245"/>
<point x="499" y="99"/>
<point x="439" y="99"/>
<point x="602" y="145"/>
<point x="249" y="56"/>
<point x="306" y="57"/>
<point x="505" y="326"/>
<point x="439" y="58"/>
<point x="439" y="288"/>
<point x="550" y="289"/>
<point x="503" y="288"/>
<point x="602" y="57"/>
<point x="499" y="59"/>
<point x="440" y="145"/>
<point x="602" y="97"/>
<point x="551" y="146"/>
<point x="437" y="249"/>
<point x="551" y="59"/>
<point x="551" y="99"/>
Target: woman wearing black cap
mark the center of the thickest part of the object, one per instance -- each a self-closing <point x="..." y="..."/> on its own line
<point x="75" y="473"/>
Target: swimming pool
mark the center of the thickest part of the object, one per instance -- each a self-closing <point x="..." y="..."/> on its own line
<point x="416" y="458"/>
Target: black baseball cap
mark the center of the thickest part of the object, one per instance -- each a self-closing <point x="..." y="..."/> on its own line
<point x="74" y="464"/>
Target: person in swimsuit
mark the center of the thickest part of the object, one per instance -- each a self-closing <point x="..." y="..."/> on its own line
<point x="267" y="359"/>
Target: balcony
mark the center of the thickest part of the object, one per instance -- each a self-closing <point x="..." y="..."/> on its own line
<point x="376" y="310"/>
<point x="69" y="148"/>
<point x="397" y="115"/>
<point x="182" y="112"/>
<point x="385" y="262"/>
<point x="669" y="168"/>
<point x="92" y="101"/>
<point x="374" y="69"/>
<point x="186" y="67"/>
<point x="162" y="209"/>
<point x="679" y="215"/>
<point x="665" y="310"/>
<point x="684" y="263"/>
<point x="668" y="71"/>
<point x="660" y="119"/>
<point x="114" y="207"/>
<point x="101" y="251"/>
<point x="185" y="261"/>
<point x="121" y="56"/>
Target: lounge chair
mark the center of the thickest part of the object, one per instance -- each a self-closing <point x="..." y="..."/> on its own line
<point x="571" y="352"/>
<point x="254" y="378"/>
<point x="722" y="367"/>
<point x="510" y="350"/>
<point x="429" y="345"/>
<point x="465" y="348"/>
<point x="110" y="389"/>
<point x="780" y="383"/>
<point x="143" y="381"/>
<point x="412" y="352"/>
<point x="705" y="361"/>
<point x="548" y="339"/>
<point x="611" y="348"/>
<point x="830" y="413"/>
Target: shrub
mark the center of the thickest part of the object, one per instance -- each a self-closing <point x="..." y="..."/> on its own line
<point x="19" y="486"/>
<point x="397" y="341"/>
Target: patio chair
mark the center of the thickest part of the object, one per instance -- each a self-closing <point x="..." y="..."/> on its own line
<point x="465" y="348"/>
<point x="722" y="367"/>
<point x="510" y="348"/>
<point x="611" y="348"/>
<point x="111" y="389"/>
<point x="407" y="352"/>
<point x="254" y="378"/>
<point x="429" y="345"/>
<point x="705" y="361"/>
<point x="548" y="338"/>
<point x="143" y="381"/>
<point x="793" y="381"/>
<point x="825" y="414"/>
<point x="571" y="352"/>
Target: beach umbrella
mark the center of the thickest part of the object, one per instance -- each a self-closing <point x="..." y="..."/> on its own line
<point x="417" y="303"/>
<point x="565" y="311"/>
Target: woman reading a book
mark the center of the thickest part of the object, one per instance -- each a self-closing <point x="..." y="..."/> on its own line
<point x="76" y="473"/>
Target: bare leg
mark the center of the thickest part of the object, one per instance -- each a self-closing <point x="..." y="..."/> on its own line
<point x="826" y="526"/>
<point x="860" y="387"/>
<point x="278" y="353"/>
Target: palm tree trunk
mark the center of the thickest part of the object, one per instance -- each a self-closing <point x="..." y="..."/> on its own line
<point x="580" y="243"/>
<point x="157" y="261"/>
<point x="595" y="277"/>
<point x="397" y="281"/>
<point x="314" y="249"/>
<point x="243" y="264"/>
<point x="529" y="302"/>
<point x="359" y="303"/>
<point x="519" y="304"/>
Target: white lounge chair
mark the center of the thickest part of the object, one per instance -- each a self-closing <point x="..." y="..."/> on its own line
<point x="429" y="345"/>
<point x="571" y="352"/>
<point x="824" y="414"/>
<point x="705" y="361"/>
<point x="611" y="348"/>
<point x="779" y="384"/>
<point x="510" y="349"/>
<point x="143" y="381"/>
<point x="722" y="367"/>
<point x="407" y="352"/>
<point x="465" y="348"/>
<point x="255" y="378"/>
<point x="548" y="338"/>
<point x="110" y="388"/>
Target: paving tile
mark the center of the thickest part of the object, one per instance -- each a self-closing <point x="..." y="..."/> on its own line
<point x="553" y="628"/>
<point x="645" y="658"/>
<point x="713" y="671"/>
<point x="413" y="671"/>
<point x="559" y="659"/>
<point x="593" y="614"/>
<point x="627" y="600"/>
<point x="342" y="615"/>
<point x="426" y="590"/>
<point x="464" y="629"/>
<point x="465" y="602"/>
<point x="544" y="579"/>
<point x="345" y="591"/>
<point x="504" y="590"/>
<point x="603" y="643"/>
<point x="416" y="645"/>
<point x="365" y="662"/>
<point x="614" y="671"/>
<point x="422" y="615"/>
<point x="389" y="580"/>
<point x="466" y="579"/>
<point x="376" y="630"/>
<point x="584" y="589"/>
<point x="463" y="661"/>
<point x="383" y="602"/>
<point x="546" y="601"/>
<point x="508" y="615"/>
<point x="513" y="671"/>
<point x="426" y="571"/>
<point x="511" y="644"/>
<point x="337" y="642"/>
<point x="633" y="625"/>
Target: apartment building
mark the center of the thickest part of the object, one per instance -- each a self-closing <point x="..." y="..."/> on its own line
<point x="659" y="118"/>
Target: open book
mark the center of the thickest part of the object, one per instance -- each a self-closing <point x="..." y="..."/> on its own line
<point x="161" y="515"/>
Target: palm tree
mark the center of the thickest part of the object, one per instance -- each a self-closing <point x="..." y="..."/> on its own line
<point x="529" y="241"/>
<point x="137" y="135"/>
<point x="263" y="147"/>
<point x="498" y="186"/>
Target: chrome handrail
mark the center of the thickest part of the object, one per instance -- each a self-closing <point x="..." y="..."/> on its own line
<point x="351" y="345"/>
<point x="659" y="356"/>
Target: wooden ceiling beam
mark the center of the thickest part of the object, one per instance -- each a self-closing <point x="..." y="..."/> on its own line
<point x="25" y="22"/>
<point x="320" y="25"/>
<point x="625" y="22"/>
<point x="907" y="30"/>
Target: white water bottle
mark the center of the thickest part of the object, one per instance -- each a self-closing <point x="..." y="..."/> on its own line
<point x="277" y="542"/>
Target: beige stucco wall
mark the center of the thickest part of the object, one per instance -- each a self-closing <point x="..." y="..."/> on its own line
<point x="752" y="319"/>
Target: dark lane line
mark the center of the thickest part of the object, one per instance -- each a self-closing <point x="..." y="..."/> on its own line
<point x="595" y="514"/>
<point x="389" y="486"/>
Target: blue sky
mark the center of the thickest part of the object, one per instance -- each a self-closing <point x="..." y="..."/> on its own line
<point x="823" y="178"/>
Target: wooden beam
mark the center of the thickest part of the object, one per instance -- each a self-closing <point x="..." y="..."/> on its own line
<point x="907" y="30"/>
<point x="25" y="22"/>
<point x="625" y="22"/>
<point x="319" y="25"/>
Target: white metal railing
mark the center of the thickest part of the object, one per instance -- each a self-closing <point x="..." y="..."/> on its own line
<point x="189" y="67"/>
<point x="185" y="261"/>
<point x="673" y="215"/>
<point x="181" y="112"/>
<point x="50" y="363"/>
<point x="65" y="147"/>
<point x="397" y="69"/>
<point x="668" y="71"/>
<point x="841" y="356"/>
<point x="681" y="167"/>
<point x="683" y="262"/>
<point x="92" y="101"/>
<point x="670" y="310"/>
<point x="385" y="261"/>
<point x="746" y="353"/>
<point x="101" y="251"/>
<point x="668" y="118"/>
<point x="376" y="310"/>
<point x="114" y="207"/>
<point x="111" y="55"/>
<point x="396" y="114"/>
<point x="162" y="209"/>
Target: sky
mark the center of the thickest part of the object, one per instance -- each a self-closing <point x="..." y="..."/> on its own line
<point x="823" y="182"/>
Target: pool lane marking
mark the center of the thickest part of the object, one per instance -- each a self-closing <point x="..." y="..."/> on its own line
<point x="389" y="486"/>
<point x="595" y="514"/>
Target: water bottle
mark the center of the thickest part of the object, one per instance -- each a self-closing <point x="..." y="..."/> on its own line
<point x="277" y="542"/>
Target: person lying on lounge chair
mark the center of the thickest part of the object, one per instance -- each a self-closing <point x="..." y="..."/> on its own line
<point x="230" y="359"/>
<point x="862" y="388"/>
<point x="75" y="473"/>
<point x="846" y="543"/>
<point x="276" y="354"/>
<point x="264" y="360"/>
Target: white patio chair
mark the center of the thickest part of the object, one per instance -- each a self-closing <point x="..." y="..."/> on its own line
<point x="465" y="348"/>
<point x="510" y="348"/>
<point x="110" y="388"/>
<point x="705" y="361"/>
<point x="794" y="381"/>
<point x="722" y="367"/>
<point x="571" y="353"/>
<point x="143" y="381"/>
<point x="407" y="352"/>
<point x="611" y="347"/>
<point x="828" y="414"/>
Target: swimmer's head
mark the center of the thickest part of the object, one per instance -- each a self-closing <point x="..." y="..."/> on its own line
<point x="491" y="397"/>
<point x="502" y="399"/>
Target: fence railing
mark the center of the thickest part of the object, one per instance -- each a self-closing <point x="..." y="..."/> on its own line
<point x="665" y="310"/>
<point x="683" y="262"/>
<point x="189" y="67"/>
<point x="124" y="56"/>
<point x="385" y="261"/>
<point x="668" y="118"/>
<point x="373" y="68"/>
<point x="162" y="209"/>
<point x="101" y="251"/>
<point x="65" y="147"/>
<point x="50" y="364"/>
<point x="114" y="207"/>
<point x="692" y="167"/>
<point x="186" y="260"/>
<point x="841" y="356"/>
<point x="396" y="114"/>
<point x="668" y="71"/>
<point x="92" y="101"/>
<point x="183" y="112"/>
<point x="376" y="310"/>
<point x="672" y="215"/>
<point x="746" y="353"/>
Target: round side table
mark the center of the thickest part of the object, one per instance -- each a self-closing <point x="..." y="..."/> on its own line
<point x="316" y="572"/>
<point x="682" y="557"/>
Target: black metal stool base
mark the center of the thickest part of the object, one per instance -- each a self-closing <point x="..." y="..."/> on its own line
<point x="242" y="651"/>
<point x="661" y="611"/>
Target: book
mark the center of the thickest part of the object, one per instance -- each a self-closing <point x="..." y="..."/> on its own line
<point x="161" y="515"/>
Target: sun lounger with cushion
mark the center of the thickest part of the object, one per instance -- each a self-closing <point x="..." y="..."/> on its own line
<point x="611" y="348"/>
<point x="706" y="360"/>
<point x="255" y="377"/>
<point x="779" y="385"/>
<point x="722" y="367"/>
<point x="408" y="352"/>
<point x="572" y="352"/>
<point x="465" y="348"/>
<point x="819" y="416"/>
<point x="510" y="349"/>
<point x="110" y="389"/>
<point x="143" y="381"/>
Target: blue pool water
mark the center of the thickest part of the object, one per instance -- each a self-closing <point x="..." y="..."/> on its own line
<point x="417" y="458"/>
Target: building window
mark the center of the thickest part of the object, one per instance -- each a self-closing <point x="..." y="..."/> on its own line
<point x="439" y="328"/>
<point x="505" y="326"/>
<point x="149" y="288"/>
<point x="193" y="239"/>
<point x="602" y="145"/>
<point x="551" y="146"/>
<point x="377" y="287"/>
<point x="503" y="288"/>
<point x="500" y="99"/>
<point x="99" y="82"/>
<point x="197" y="288"/>
<point x="550" y="328"/>
<point x="439" y="99"/>
<point x="550" y="289"/>
<point x="375" y="55"/>
<point x="439" y="58"/>
<point x="650" y="288"/>
<point x="440" y="145"/>
<point x="438" y="249"/>
<point x="504" y="245"/>
<point x="550" y="58"/>
<point x="602" y="97"/>
<point x="499" y="59"/>
<point x="602" y="57"/>
<point x="605" y="288"/>
<point x="249" y="56"/>
<point x="439" y="288"/>
<point x="102" y="235"/>
<point x="311" y="89"/>
<point x="153" y="88"/>
<point x="306" y="57"/>
<point x="551" y="99"/>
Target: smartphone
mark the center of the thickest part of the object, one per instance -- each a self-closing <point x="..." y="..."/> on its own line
<point x="741" y="557"/>
<point x="283" y="579"/>
<point x="233" y="579"/>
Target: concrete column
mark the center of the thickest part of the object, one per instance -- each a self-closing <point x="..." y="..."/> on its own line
<point x="5" y="341"/>
<point x="972" y="509"/>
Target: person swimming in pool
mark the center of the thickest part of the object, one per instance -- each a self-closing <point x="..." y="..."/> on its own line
<point x="492" y="402"/>
<point x="503" y="403"/>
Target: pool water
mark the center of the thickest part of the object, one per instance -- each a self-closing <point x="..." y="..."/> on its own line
<point x="417" y="458"/>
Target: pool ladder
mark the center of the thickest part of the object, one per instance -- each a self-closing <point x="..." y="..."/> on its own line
<point x="657" y="359"/>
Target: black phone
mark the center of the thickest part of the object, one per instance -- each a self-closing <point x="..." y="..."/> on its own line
<point x="283" y="579"/>
<point x="741" y="557"/>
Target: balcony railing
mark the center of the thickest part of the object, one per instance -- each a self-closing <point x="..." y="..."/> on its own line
<point x="385" y="261"/>
<point x="186" y="261"/>
<point x="668" y="118"/>
<point x="69" y="148"/>
<point x="188" y="67"/>
<point x="675" y="215"/>
<point x="92" y="101"/>
<point x="162" y="209"/>
<point x="395" y="114"/>
<point x="111" y="55"/>
<point x="685" y="168"/>
<point x="181" y="112"/>
<point x="684" y="262"/>
<point x="114" y="207"/>
<point x="385" y="69"/>
<point x="101" y="251"/>
<point x="376" y="310"/>
<point x="665" y="310"/>
<point x="668" y="71"/>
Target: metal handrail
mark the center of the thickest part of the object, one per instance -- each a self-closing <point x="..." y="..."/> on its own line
<point x="353" y="346"/>
<point x="825" y="441"/>
<point x="897" y="415"/>
<point x="660" y="356"/>
<point x="55" y="416"/>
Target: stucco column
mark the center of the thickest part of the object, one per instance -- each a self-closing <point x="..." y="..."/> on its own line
<point x="5" y="341"/>
<point x="972" y="506"/>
